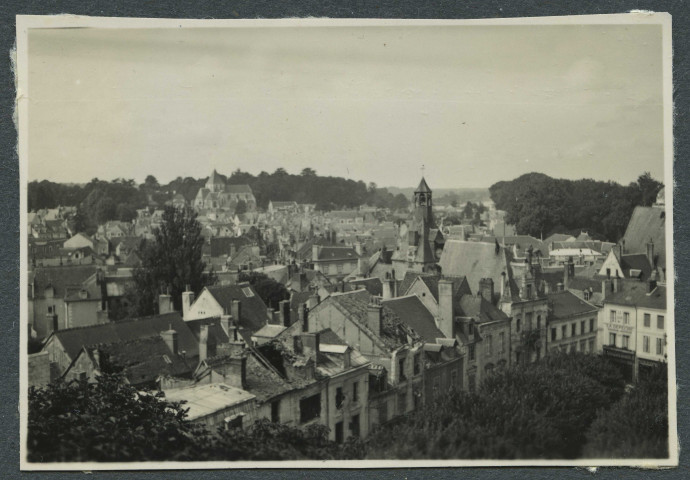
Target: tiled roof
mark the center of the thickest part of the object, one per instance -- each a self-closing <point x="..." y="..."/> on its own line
<point x="74" y="339"/>
<point x="566" y="303"/>
<point x="412" y="312"/>
<point x="253" y="315"/>
<point x="647" y="223"/>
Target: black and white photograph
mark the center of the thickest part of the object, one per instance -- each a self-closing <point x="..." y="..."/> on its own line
<point x="353" y="243"/>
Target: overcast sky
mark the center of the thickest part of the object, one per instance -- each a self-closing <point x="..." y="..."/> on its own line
<point x="474" y="104"/>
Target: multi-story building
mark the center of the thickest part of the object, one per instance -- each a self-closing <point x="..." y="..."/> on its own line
<point x="572" y="324"/>
<point x="634" y="325"/>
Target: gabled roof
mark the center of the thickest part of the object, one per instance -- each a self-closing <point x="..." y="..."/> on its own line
<point x="413" y="313"/>
<point x="74" y="339"/>
<point x="647" y="223"/>
<point x="214" y="179"/>
<point x="253" y="315"/>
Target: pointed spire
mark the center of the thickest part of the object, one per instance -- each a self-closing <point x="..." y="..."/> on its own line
<point x="423" y="187"/>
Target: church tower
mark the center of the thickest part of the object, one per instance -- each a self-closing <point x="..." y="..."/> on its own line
<point x="415" y="252"/>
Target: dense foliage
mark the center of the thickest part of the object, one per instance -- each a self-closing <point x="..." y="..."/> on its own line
<point x="270" y="291"/>
<point x="636" y="426"/>
<point x="540" y="205"/>
<point x="111" y="421"/>
<point x="539" y="411"/>
<point x="170" y="263"/>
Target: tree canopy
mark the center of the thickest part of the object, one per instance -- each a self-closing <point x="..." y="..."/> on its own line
<point x="540" y="205"/>
<point x="541" y="410"/>
<point x="171" y="262"/>
<point x="111" y="421"/>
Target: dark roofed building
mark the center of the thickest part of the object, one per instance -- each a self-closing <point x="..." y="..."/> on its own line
<point x="63" y="346"/>
<point x="647" y="225"/>
<point x="217" y="300"/>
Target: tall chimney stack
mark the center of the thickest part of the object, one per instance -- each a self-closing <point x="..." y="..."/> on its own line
<point x="236" y="311"/>
<point x="375" y="315"/>
<point x="486" y="289"/>
<point x="203" y="342"/>
<point x="445" y="307"/>
<point x="187" y="300"/>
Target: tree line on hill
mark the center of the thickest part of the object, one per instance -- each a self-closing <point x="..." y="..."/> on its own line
<point x="539" y="205"/>
<point x="564" y="407"/>
<point x="99" y="201"/>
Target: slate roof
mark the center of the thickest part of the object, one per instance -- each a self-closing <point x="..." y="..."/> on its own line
<point x="647" y="223"/>
<point x="423" y="187"/>
<point x="564" y="304"/>
<point x="409" y="279"/>
<point x="634" y="293"/>
<point x="144" y="359"/>
<point x="476" y="260"/>
<point x="636" y="261"/>
<point x="216" y="334"/>
<point x="330" y="254"/>
<point x="412" y="312"/>
<point x="395" y="333"/>
<point x="372" y="285"/>
<point x="74" y="339"/>
<point x="59" y="278"/>
<point x="480" y="309"/>
<point x="253" y="315"/>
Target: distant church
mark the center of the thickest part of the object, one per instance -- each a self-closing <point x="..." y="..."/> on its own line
<point x="217" y="194"/>
<point x="418" y="248"/>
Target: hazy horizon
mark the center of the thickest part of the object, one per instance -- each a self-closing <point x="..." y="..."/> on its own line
<point x="474" y="104"/>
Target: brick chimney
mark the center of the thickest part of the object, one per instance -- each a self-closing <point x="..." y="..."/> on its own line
<point x="445" y="307"/>
<point x="388" y="286"/>
<point x="486" y="289"/>
<point x="203" y="342"/>
<point x="170" y="338"/>
<point x="358" y="248"/>
<point x="315" y="249"/>
<point x="187" y="300"/>
<point x="375" y="315"/>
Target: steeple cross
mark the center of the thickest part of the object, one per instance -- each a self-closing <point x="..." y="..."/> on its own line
<point x="422" y="170"/>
